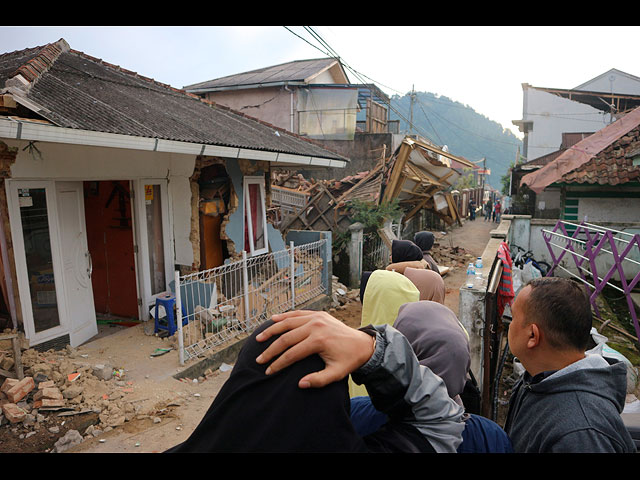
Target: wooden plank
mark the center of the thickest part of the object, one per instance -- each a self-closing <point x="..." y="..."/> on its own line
<point x="398" y="169"/>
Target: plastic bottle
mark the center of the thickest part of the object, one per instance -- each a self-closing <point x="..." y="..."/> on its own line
<point x="478" y="263"/>
<point x="471" y="273"/>
<point x="478" y="281"/>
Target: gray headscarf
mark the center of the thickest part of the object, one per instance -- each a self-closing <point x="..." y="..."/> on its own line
<point x="438" y="340"/>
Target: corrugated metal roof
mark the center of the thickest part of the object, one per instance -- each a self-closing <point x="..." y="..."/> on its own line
<point x="81" y="92"/>
<point x="296" y="71"/>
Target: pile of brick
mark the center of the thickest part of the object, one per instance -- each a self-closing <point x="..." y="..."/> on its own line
<point x="46" y="395"/>
<point x="54" y="384"/>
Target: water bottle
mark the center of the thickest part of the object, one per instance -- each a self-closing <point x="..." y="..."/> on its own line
<point x="471" y="273"/>
<point x="479" y="263"/>
<point x="478" y="282"/>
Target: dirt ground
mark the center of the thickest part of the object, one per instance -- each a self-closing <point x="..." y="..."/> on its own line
<point x="161" y="411"/>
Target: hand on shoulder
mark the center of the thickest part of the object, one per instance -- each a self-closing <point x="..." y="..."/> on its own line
<point x="306" y="332"/>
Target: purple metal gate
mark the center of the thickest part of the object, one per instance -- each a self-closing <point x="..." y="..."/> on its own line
<point x="592" y="240"/>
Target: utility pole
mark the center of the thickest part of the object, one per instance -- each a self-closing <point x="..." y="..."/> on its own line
<point x="412" y="97"/>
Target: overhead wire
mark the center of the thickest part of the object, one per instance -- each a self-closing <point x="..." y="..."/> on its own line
<point x="330" y="52"/>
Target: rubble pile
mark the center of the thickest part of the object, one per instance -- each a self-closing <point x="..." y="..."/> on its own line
<point x="58" y="383"/>
<point x="449" y="255"/>
<point x="342" y="295"/>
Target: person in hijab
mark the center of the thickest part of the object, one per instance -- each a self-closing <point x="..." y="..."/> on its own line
<point x="405" y="253"/>
<point x="440" y="343"/>
<point x="424" y="241"/>
<point x="383" y="294"/>
<point x="288" y="393"/>
<point x="429" y="283"/>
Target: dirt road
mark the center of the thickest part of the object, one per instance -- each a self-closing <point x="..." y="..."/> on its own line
<point x="181" y="416"/>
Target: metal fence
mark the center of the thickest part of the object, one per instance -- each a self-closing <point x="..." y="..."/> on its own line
<point x="375" y="253"/>
<point x="216" y="305"/>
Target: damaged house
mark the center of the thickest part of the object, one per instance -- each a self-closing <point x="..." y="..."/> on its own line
<point x="113" y="181"/>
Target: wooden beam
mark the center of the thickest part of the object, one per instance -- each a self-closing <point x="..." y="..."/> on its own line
<point x="397" y="172"/>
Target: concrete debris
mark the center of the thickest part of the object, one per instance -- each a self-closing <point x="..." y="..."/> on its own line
<point x="55" y="385"/>
<point x="341" y="294"/>
<point x="70" y="439"/>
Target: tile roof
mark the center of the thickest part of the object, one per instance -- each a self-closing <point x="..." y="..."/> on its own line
<point x="75" y="90"/>
<point x="611" y="166"/>
<point x="603" y="147"/>
<point x="296" y="71"/>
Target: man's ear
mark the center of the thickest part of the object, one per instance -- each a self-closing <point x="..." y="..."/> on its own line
<point x="535" y="335"/>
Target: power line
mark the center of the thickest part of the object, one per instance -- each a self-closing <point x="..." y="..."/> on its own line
<point x="333" y="54"/>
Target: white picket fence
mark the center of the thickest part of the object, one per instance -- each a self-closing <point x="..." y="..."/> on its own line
<point x="220" y="303"/>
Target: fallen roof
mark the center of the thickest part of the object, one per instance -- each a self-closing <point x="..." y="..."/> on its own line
<point x="580" y="153"/>
<point x="75" y="91"/>
<point x="297" y="72"/>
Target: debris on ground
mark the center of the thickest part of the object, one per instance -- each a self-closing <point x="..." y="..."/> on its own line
<point x="60" y="387"/>
<point x="341" y="295"/>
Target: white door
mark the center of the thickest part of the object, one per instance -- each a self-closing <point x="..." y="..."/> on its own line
<point x="154" y="236"/>
<point x="76" y="262"/>
<point x="53" y="267"/>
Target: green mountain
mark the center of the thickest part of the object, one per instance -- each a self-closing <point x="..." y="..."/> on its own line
<point x="464" y="131"/>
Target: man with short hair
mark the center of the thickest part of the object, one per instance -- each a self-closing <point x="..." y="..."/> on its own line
<point x="566" y="401"/>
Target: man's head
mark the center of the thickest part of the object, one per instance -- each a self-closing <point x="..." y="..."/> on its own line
<point x="551" y="323"/>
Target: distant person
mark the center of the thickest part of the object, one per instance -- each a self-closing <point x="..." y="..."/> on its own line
<point x="566" y="401"/>
<point x="488" y="210"/>
<point x="497" y="210"/>
<point x="425" y="241"/>
<point x="472" y="209"/>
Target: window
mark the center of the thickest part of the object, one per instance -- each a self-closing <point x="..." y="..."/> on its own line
<point x="255" y="218"/>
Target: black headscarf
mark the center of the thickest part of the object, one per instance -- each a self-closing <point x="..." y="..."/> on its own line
<point x="424" y="240"/>
<point x="363" y="284"/>
<point x="405" y="251"/>
<point x="259" y="413"/>
<point x="255" y="412"/>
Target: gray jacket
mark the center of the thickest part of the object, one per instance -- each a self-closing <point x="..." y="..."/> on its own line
<point x="574" y="410"/>
<point x="411" y="393"/>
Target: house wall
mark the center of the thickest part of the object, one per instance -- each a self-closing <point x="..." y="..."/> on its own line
<point x="613" y="81"/>
<point x="272" y="105"/>
<point x="548" y="203"/>
<point x="74" y="162"/>
<point x="551" y="116"/>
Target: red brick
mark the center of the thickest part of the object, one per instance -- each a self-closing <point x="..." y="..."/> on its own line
<point x="49" y="392"/>
<point x="8" y="384"/>
<point x="21" y="389"/>
<point x="13" y="413"/>
<point x="48" y="403"/>
<point x="46" y="384"/>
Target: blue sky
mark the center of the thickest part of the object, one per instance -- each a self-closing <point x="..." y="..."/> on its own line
<point x="480" y="66"/>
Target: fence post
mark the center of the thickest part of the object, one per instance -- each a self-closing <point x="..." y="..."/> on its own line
<point x="179" y="317"/>
<point x="293" y="277"/>
<point x="355" y="254"/>
<point x="245" y="282"/>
